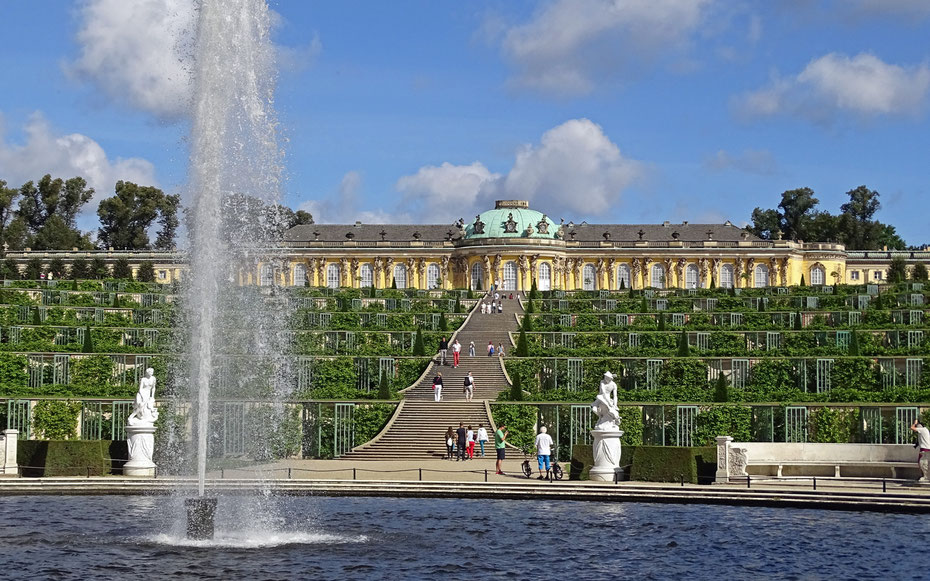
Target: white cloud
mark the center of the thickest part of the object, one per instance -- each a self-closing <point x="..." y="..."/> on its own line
<point x="435" y="193"/>
<point x="575" y="168"/>
<point x="138" y="52"/>
<point x="863" y="85"/>
<point x="66" y="156"/>
<point x="753" y="161"/>
<point x="569" y="43"/>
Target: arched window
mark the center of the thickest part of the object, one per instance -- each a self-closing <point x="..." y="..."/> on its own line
<point x="300" y="275"/>
<point x="658" y="276"/>
<point x="692" y="277"/>
<point x="432" y="276"/>
<point x="545" y="277"/>
<point x="477" y="276"/>
<point x="623" y="276"/>
<point x="726" y="276"/>
<point x="266" y="276"/>
<point x="762" y="276"/>
<point x="818" y="275"/>
<point x="510" y="276"/>
<point x="589" y="277"/>
<point x="366" y="275"/>
<point x="400" y="275"/>
<point x="333" y="275"/>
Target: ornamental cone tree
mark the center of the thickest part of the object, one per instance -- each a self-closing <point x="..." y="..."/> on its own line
<point x="684" y="350"/>
<point x="458" y="306"/>
<point x="443" y="323"/>
<point x="644" y="306"/>
<point x="527" y="323"/>
<point x="713" y="282"/>
<point x="384" y="387"/>
<point x="88" y="342"/>
<point x="36" y="318"/>
<point x="522" y="348"/>
<point x="529" y="307"/>
<point x="721" y="389"/>
<point x="516" y="390"/>
<point x="802" y="280"/>
<point x="622" y="284"/>
<point x="662" y="321"/>
<point x="393" y="283"/>
<point x="853" y="350"/>
<point x="534" y="294"/>
<point x="798" y="323"/>
<point x="418" y="348"/>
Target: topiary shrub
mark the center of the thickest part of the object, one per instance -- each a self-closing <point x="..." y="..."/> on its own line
<point x="672" y="463"/>
<point x="419" y="349"/>
<point x="384" y="387"/>
<point x="721" y="389"/>
<point x="516" y="390"/>
<point x="55" y="420"/>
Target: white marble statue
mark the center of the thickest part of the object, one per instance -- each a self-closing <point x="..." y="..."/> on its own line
<point x="143" y="410"/>
<point x="605" y="405"/>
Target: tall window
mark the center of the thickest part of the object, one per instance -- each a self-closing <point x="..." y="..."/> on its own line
<point x="432" y="276"/>
<point x="333" y="275"/>
<point x="367" y="275"/>
<point x="589" y="277"/>
<point x="400" y="275"/>
<point x="818" y="275"/>
<point x="692" y="277"/>
<point x="623" y="276"/>
<point x="762" y="276"/>
<point x="477" y="276"/>
<point x="658" y="276"/>
<point x="300" y="275"/>
<point x="266" y="277"/>
<point x="510" y="276"/>
<point x="545" y="276"/>
<point x="726" y="276"/>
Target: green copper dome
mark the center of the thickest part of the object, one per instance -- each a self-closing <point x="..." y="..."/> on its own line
<point x="511" y="219"/>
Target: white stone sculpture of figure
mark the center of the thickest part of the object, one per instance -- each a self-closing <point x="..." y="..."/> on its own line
<point x="143" y="411"/>
<point x="605" y="405"/>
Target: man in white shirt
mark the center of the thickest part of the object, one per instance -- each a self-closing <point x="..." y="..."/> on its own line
<point x="923" y="443"/>
<point x="543" y="450"/>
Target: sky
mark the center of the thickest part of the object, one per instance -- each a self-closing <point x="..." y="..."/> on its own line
<point x="623" y="111"/>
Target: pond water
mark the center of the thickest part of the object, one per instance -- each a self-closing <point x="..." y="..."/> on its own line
<point x="374" y="538"/>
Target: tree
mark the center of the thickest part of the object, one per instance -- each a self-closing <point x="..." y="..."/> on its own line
<point x="121" y="269"/>
<point x="8" y="198"/>
<point x="10" y="269"/>
<point x="34" y="269"/>
<point x="897" y="270"/>
<point x="522" y="348"/>
<point x="713" y="282"/>
<point x="99" y="268"/>
<point x="662" y="321"/>
<point x="721" y="389"/>
<point x="247" y="220"/>
<point x="919" y="273"/>
<point x="79" y="269"/>
<point x="384" y="387"/>
<point x="766" y="224"/>
<point x="57" y="267"/>
<point x="803" y="282"/>
<point x="419" y="349"/>
<point x="126" y="217"/>
<point x="534" y="294"/>
<point x="146" y="271"/>
<point x="88" y="341"/>
<point x="684" y="350"/>
<point x="168" y="220"/>
<point x="853" y="350"/>
<point x="796" y="206"/>
<point x="527" y="323"/>
<point x="516" y="389"/>
<point x="443" y="323"/>
<point x="47" y="213"/>
<point x="798" y="322"/>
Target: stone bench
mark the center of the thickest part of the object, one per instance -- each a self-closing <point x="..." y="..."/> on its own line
<point x="737" y="460"/>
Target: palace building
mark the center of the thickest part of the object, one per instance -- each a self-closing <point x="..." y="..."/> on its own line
<point x="513" y="245"/>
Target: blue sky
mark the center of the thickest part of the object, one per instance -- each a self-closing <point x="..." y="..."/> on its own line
<point x="624" y="111"/>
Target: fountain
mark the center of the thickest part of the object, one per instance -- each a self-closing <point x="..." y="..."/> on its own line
<point x="234" y="152"/>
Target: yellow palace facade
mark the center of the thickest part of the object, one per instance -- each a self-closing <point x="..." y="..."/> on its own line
<point x="512" y="245"/>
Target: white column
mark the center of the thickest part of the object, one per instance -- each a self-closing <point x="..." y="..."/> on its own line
<point x="723" y="460"/>
<point x="8" y="442"/>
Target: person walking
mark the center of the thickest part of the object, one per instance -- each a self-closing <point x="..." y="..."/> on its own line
<point x="469" y="386"/>
<point x="490" y="348"/>
<point x="437" y="387"/>
<point x="500" y="436"/>
<point x="461" y="434"/>
<point x="543" y="450"/>
<point x="482" y="437"/>
<point x="450" y="443"/>
<point x="456" y="351"/>
<point x="470" y="443"/>
<point x="443" y="347"/>
<point x="923" y="445"/>
<point x="500" y="350"/>
<point x="471" y="349"/>
<point x="500" y="308"/>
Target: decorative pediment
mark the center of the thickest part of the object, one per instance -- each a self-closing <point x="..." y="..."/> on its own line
<point x="510" y="226"/>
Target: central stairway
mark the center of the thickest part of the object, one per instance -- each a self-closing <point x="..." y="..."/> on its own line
<point x="418" y="428"/>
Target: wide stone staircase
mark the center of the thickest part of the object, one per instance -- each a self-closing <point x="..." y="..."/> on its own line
<point x="418" y="428"/>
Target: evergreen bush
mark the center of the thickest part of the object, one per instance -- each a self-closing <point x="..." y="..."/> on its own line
<point x="516" y="390"/>
<point x="419" y="349"/>
<point x="88" y="346"/>
<point x="721" y="389"/>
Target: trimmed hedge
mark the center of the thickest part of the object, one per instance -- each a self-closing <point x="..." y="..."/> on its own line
<point x="654" y="463"/>
<point x="65" y="457"/>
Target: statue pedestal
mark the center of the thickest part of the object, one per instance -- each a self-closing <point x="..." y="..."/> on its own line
<point x="141" y="440"/>
<point x="606" y="454"/>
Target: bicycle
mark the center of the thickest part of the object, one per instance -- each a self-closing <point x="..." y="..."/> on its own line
<point x="555" y="470"/>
